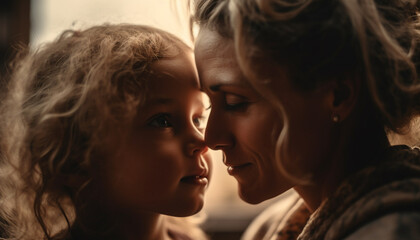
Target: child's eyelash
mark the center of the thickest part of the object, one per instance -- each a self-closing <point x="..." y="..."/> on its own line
<point x="200" y="122"/>
<point x="200" y="118"/>
<point x="160" y="120"/>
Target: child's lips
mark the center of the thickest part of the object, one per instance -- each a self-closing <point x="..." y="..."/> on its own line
<point x="197" y="180"/>
<point x="200" y="178"/>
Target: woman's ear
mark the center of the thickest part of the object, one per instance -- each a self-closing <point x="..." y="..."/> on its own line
<point x="343" y="96"/>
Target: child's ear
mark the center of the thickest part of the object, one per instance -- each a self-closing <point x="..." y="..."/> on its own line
<point x="342" y="97"/>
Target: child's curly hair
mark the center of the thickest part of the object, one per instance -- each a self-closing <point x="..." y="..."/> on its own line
<point x="63" y="101"/>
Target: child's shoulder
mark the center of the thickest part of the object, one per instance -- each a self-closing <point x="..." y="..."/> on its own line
<point x="185" y="228"/>
<point x="176" y="235"/>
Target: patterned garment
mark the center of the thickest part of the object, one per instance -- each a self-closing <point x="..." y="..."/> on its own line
<point x="380" y="202"/>
<point x="393" y="187"/>
<point x="294" y="224"/>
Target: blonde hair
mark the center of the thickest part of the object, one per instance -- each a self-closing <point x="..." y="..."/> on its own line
<point x="323" y="40"/>
<point x="64" y="100"/>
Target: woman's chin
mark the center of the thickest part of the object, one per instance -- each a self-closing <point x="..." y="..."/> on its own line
<point x="256" y="197"/>
<point x="250" y="197"/>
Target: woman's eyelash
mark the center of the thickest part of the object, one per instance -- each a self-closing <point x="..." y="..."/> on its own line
<point x="235" y="102"/>
<point x="236" y="106"/>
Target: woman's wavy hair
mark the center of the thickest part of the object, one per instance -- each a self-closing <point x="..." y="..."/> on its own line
<point x="64" y="101"/>
<point x="376" y="41"/>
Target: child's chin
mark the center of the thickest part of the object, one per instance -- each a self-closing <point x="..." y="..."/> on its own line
<point x="188" y="209"/>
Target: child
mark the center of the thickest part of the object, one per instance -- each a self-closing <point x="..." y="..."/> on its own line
<point x="103" y="138"/>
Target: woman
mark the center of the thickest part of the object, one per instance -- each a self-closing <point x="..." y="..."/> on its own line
<point x="303" y="96"/>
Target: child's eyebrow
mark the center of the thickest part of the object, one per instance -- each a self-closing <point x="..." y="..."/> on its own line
<point x="215" y="88"/>
<point x="171" y="101"/>
<point x="161" y="101"/>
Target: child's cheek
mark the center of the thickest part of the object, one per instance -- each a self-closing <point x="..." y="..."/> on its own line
<point x="208" y="161"/>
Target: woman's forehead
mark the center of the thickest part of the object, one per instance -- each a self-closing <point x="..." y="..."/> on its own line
<point x="211" y="42"/>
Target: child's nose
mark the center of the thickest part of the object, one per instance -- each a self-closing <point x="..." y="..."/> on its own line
<point x="198" y="149"/>
<point x="196" y="144"/>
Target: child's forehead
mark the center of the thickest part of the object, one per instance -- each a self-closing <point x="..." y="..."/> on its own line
<point x="198" y="98"/>
<point x="175" y="74"/>
<point x="180" y="69"/>
<point x="174" y="102"/>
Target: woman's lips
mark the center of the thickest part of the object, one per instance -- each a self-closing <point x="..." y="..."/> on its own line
<point x="234" y="170"/>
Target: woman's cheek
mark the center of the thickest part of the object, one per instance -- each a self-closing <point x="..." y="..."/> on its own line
<point x="288" y="155"/>
<point x="283" y="151"/>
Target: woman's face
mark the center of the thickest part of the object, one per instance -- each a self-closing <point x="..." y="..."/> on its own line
<point x="245" y="126"/>
<point x="242" y="124"/>
<point x="163" y="165"/>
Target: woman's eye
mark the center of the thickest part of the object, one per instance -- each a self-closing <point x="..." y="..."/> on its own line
<point x="235" y="102"/>
<point x="160" y="121"/>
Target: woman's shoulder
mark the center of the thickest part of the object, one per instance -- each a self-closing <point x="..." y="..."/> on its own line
<point x="389" y="201"/>
<point x="389" y="189"/>
<point x="403" y="152"/>
<point x="399" y="225"/>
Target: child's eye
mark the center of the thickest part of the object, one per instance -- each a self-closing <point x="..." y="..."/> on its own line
<point x="160" y="121"/>
<point x="199" y="122"/>
<point x="235" y="102"/>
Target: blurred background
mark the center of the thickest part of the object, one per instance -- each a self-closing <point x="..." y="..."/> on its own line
<point x="26" y="22"/>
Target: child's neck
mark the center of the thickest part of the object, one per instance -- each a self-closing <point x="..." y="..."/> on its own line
<point x="149" y="226"/>
<point x="129" y="227"/>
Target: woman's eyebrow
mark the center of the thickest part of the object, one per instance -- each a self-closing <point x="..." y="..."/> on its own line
<point x="212" y="88"/>
<point x="215" y="88"/>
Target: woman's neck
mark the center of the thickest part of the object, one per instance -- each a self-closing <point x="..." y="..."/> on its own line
<point x="358" y="148"/>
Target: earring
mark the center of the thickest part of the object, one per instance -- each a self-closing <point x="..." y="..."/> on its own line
<point x="335" y="117"/>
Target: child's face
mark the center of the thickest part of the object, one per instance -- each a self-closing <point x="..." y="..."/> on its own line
<point x="164" y="166"/>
